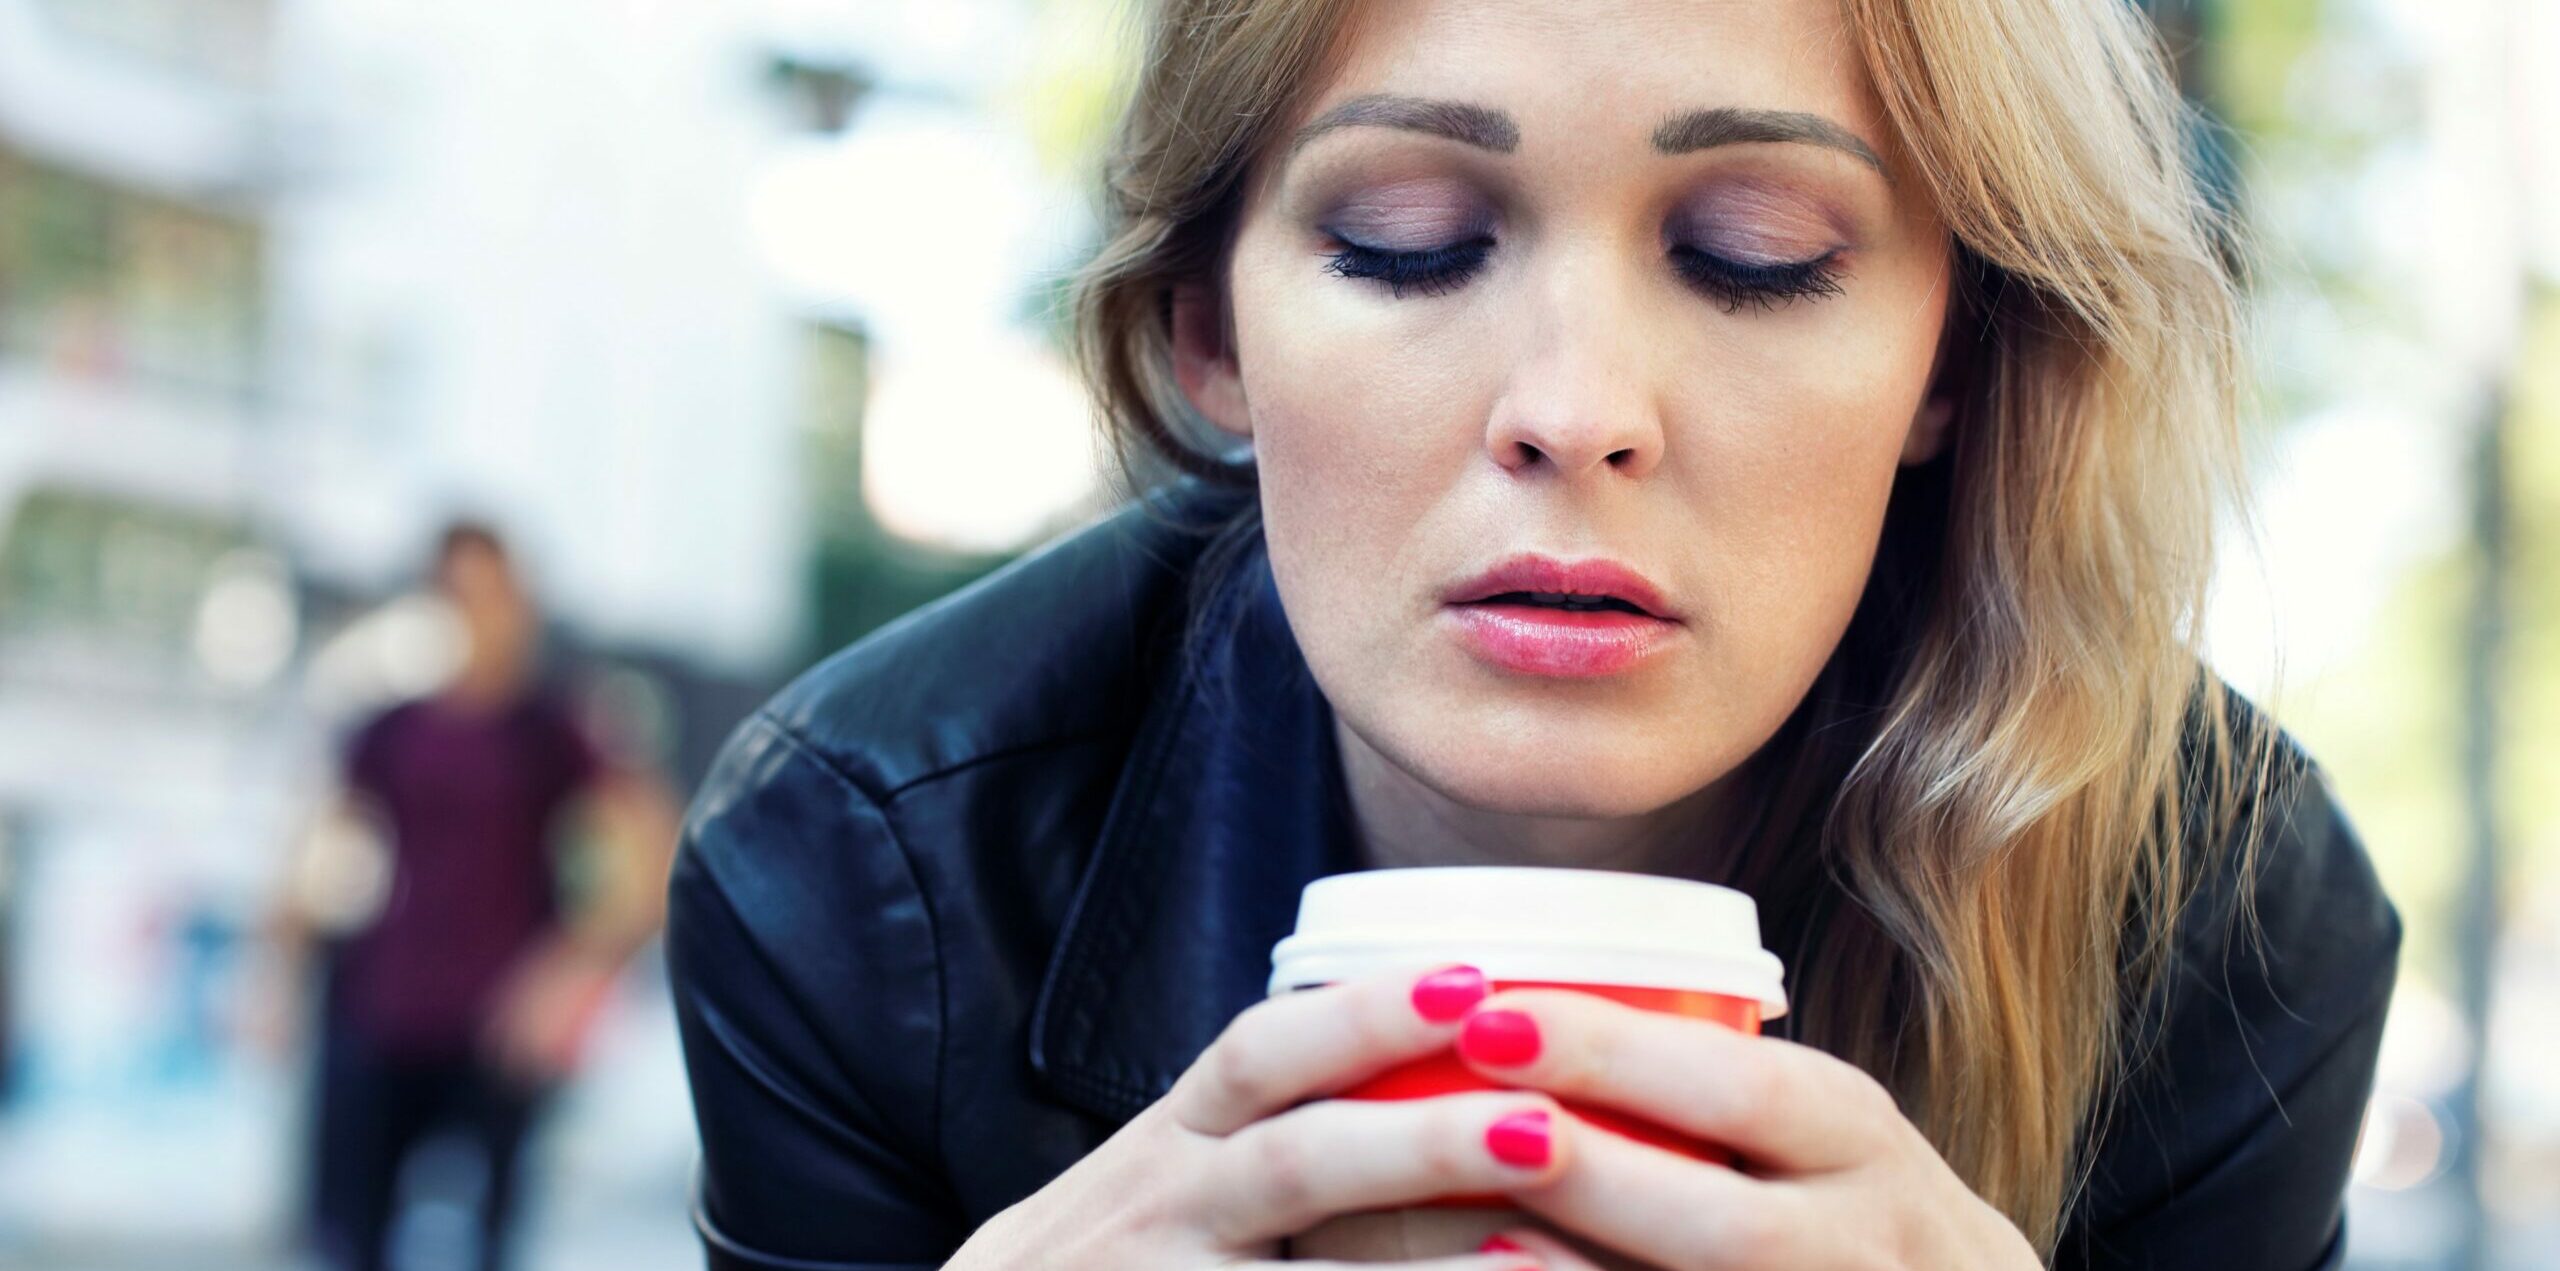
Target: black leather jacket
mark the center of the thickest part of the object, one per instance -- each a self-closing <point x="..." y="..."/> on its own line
<point x="973" y="892"/>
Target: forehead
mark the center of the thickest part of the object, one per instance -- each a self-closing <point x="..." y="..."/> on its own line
<point x="1580" y="74"/>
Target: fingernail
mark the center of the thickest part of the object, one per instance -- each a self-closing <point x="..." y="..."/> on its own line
<point x="1504" y="1039"/>
<point x="1445" y="995"/>
<point x="1497" y="1244"/>
<point x="1520" y="1139"/>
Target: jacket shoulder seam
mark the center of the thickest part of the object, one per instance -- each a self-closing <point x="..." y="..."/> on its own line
<point x="883" y="793"/>
<point x="996" y="755"/>
<point x="820" y="760"/>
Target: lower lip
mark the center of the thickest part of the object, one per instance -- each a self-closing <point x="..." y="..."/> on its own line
<point x="1562" y="643"/>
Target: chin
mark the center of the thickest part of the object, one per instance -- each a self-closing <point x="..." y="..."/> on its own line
<point x="1533" y="773"/>
<point x="1540" y="791"/>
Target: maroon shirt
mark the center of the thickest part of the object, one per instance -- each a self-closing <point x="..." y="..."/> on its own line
<point x="469" y="799"/>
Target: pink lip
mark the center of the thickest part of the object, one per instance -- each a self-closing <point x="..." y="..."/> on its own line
<point x="1545" y="573"/>
<point x="1540" y="640"/>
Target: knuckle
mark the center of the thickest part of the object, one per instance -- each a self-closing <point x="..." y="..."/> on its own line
<point x="1248" y="1024"/>
<point x="1235" y="1072"/>
<point x="1889" y="1256"/>
<point x="1204" y="1200"/>
<point x="1376" y="1022"/>
<point x="1857" y="1083"/>
<point x="1758" y="1091"/>
<point x="1896" y="1237"/>
<point x="1282" y="1171"/>
<point x="1572" y="1056"/>
<point x="1447" y="1148"/>
<point x="1878" y="1113"/>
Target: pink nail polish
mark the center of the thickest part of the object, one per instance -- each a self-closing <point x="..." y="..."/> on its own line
<point x="1522" y="1139"/>
<point x="1445" y="995"/>
<point x="1497" y="1244"/>
<point x="1505" y="1039"/>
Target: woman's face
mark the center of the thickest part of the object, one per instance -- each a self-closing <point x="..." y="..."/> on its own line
<point x="1630" y="283"/>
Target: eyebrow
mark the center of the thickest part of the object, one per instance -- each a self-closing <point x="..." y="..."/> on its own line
<point x="1480" y="126"/>
<point x="1488" y="129"/>
<point x="1737" y="125"/>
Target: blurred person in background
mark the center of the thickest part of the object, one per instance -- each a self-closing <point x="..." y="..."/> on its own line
<point x="459" y="1004"/>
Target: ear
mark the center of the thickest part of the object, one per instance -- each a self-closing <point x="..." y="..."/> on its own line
<point x="1204" y="360"/>
<point x="1929" y="426"/>
<point x="1937" y="414"/>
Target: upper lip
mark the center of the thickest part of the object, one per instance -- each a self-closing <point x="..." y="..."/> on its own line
<point x="1572" y="578"/>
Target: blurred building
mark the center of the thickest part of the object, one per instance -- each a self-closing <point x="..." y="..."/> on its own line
<point x="283" y="285"/>
<point x="146" y="609"/>
<point x="141" y="611"/>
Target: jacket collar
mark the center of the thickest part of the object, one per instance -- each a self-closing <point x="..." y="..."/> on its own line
<point x="1231" y="802"/>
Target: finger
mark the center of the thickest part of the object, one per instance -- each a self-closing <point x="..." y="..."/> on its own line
<point x="1288" y="1049"/>
<point x="1290" y="1172"/>
<point x="1667" y="1210"/>
<point x="1788" y="1108"/>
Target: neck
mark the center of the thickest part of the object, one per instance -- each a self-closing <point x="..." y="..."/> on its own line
<point x="1400" y="822"/>
<point x="483" y="684"/>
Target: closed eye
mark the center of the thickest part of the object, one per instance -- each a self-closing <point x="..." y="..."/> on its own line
<point x="1431" y="271"/>
<point x="1733" y="284"/>
<point x="1736" y="283"/>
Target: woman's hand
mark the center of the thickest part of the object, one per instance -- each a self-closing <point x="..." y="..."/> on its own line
<point x="1836" y="1176"/>
<point x="1228" y="1165"/>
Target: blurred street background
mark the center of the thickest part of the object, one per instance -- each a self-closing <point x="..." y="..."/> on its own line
<point x="740" y="319"/>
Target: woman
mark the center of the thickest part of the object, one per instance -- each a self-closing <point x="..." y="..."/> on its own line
<point x="1774" y="444"/>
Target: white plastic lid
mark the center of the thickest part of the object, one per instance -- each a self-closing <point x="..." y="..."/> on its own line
<point x="1569" y="926"/>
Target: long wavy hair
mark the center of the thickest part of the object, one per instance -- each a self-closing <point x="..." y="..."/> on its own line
<point x="1976" y="834"/>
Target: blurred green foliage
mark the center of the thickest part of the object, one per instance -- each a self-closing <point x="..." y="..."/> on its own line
<point x="860" y="575"/>
<point x="2321" y="98"/>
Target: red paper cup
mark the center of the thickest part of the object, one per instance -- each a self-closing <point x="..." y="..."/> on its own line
<point x="1657" y="944"/>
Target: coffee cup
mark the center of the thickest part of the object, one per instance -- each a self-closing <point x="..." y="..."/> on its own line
<point x="1654" y="943"/>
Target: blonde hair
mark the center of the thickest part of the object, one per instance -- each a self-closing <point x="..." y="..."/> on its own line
<point x="1977" y="832"/>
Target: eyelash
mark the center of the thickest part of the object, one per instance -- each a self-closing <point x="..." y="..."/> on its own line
<point x="1731" y="283"/>
<point x="1431" y="271"/>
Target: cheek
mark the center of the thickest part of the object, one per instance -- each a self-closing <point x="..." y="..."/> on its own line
<point x="1800" y="458"/>
<point x="1794" y="444"/>
<point x="1328" y="368"/>
<point x="1822" y="407"/>
<point x="1361" y="429"/>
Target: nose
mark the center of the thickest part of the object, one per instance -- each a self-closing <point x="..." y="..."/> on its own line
<point x="1580" y="400"/>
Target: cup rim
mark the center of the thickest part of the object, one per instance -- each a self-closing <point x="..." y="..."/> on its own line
<point x="1559" y="924"/>
<point x="1299" y="963"/>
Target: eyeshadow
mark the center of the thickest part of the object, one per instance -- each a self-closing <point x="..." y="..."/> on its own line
<point x="1418" y="213"/>
<point x="1759" y="221"/>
